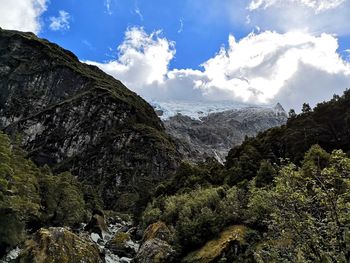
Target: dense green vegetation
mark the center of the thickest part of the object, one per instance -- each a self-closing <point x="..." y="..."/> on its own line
<point x="302" y="216"/>
<point x="31" y="197"/>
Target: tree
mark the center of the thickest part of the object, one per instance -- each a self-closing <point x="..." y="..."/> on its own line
<point x="62" y="200"/>
<point x="307" y="211"/>
<point x="306" y="108"/>
<point x="265" y="174"/>
<point x="292" y="114"/>
<point x="31" y="197"/>
<point x="19" y="198"/>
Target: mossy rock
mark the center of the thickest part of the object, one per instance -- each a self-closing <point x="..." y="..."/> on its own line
<point x="155" y="251"/>
<point x="122" y="245"/>
<point x="58" y="245"/>
<point x="158" y="230"/>
<point x="228" y="242"/>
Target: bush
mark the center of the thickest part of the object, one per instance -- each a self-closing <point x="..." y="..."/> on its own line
<point x="198" y="215"/>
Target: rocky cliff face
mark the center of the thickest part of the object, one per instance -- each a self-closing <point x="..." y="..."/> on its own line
<point x="215" y="134"/>
<point x="73" y="116"/>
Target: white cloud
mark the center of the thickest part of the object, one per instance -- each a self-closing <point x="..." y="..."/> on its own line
<point x="61" y="22"/>
<point x="181" y="26"/>
<point x="143" y="59"/>
<point x="138" y="12"/>
<point x="312" y="16"/>
<point x="261" y="68"/>
<point x="263" y="62"/>
<point x="22" y="14"/>
<point x="316" y="5"/>
<point x="107" y="4"/>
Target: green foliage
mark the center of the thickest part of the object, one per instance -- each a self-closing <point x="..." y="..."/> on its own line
<point x="62" y="200"/>
<point x="197" y="215"/>
<point x="30" y="197"/>
<point x="307" y="211"/>
<point x="19" y="198"/>
<point x="265" y="174"/>
<point x="11" y="230"/>
<point x="190" y="176"/>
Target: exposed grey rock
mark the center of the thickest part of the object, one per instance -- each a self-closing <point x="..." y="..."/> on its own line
<point x="155" y="251"/>
<point x="215" y="134"/>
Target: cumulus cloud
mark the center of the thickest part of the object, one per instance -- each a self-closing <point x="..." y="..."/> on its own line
<point x="22" y="14"/>
<point x="61" y="22"/>
<point x="313" y="16"/>
<point x="261" y="68"/>
<point x="143" y="59"/>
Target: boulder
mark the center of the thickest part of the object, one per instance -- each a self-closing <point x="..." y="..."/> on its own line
<point x="155" y="251"/>
<point x="58" y="245"/>
<point x="122" y="245"/>
<point x="229" y="243"/>
<point x="158" y="230"/>
<point x="97" y="225"/>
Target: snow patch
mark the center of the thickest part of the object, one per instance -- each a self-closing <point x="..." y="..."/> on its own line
<point x="194" y="109"/>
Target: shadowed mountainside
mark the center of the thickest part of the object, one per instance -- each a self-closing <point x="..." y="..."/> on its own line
<point x="73" y="116"/>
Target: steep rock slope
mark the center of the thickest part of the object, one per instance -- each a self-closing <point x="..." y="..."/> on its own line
<point x="73" y="116"/>
<point x="215" y="134"/>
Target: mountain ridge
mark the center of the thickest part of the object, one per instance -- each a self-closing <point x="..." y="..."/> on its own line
<point x="73" y="116"/>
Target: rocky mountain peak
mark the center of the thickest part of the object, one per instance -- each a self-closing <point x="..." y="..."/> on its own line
<point x="279" y="107"/>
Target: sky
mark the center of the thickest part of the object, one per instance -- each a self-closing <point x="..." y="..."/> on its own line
<point x="246" y="51"/>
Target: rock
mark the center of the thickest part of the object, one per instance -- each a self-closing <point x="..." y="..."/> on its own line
<point x="97" y="225"/>
<point x="138" y="234"/>
<point x="125" y="260"/>
<point x="229" y="243"/>
<point x="155" y="251"/>
<point x="122" y="245"/>
<point x="124" y="229"/>
<point x="58" y="245"/>
<point x="159" y="113"/>
<point x="158" y="230"/>
<point x="74" y="117"/>
<point x="11" y="255"/>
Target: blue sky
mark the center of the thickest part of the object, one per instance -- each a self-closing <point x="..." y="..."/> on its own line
<point x="250" y="51"/>
<point x="95" y="29"/>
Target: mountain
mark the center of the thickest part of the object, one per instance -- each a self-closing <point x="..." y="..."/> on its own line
<point x="90" y="137"/>
<point x="215" y="134"/>
<point x="74" y="117"/>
